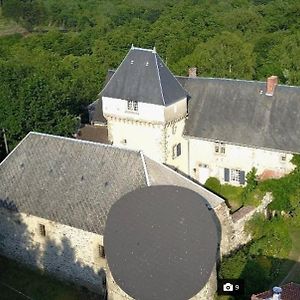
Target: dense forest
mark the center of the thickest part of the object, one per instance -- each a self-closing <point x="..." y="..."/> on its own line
<point x="50" y="73"/>
<point x="57" y="66"/>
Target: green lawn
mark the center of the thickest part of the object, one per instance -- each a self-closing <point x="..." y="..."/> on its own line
<point x="35" y="285"/>
<point x="234" y="194"/>
<point x="294" y="266"/>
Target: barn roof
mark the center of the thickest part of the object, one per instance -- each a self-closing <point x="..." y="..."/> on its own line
<point x="75" y="182"/>
<point x="142" y="76"/>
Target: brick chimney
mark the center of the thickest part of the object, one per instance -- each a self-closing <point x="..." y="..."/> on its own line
<point x="272" y="82"/>
<point x="193" y="72"/>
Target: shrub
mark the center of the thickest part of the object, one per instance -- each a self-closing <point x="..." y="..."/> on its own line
<point x="213" y="184"/>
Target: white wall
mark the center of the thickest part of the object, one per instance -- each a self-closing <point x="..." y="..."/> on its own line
<point x="175" y="136"/>
<point x="146" y="112"/>
<point x="235" y="157"/>
<point x="139" y="136"/>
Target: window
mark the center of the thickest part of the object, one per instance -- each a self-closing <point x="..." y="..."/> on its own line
<point x="234" y="175"/>
<point x="220" y="148"/>
<point x="176" y="150"/>
<point x="101" y="251"/>
<point x="283" y="157"/>
<point x="132" y="105"/>
<point x="42" y="229"/>
<point x="174" y="127"/>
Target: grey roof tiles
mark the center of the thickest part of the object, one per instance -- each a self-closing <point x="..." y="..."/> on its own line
<point x="239" y="112"/>
<point x="74" y="182"/>
<point x="142" y="76"/>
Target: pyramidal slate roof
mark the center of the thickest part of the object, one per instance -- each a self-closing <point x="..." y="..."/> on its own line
<point x="75" y="182"/>
<point x="142" y="76"/>
<point x="239" y="112"/>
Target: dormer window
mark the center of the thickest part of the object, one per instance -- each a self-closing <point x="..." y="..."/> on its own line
<point x="132" y="105"/>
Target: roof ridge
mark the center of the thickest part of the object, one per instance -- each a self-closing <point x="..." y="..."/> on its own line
<point x="79" y="141"/>
<point x="159" y="79"/>
<point x="145" y="168"/>
<point x="233" y="79"/>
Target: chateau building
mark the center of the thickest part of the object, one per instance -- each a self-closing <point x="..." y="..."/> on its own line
<point x="55" y="195"/>
<point x="202" y="127"/>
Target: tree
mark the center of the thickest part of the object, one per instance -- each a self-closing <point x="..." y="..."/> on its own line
<point x="225" y="55"/>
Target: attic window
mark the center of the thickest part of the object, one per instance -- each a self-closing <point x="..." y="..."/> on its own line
<point x="42" y="230"/>
<point x="132" y="105"/>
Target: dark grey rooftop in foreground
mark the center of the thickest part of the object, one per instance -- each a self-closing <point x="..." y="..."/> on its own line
<point x="161" y="243"/>
<point x="142" y="76"/>
<point x="76" y="182"/>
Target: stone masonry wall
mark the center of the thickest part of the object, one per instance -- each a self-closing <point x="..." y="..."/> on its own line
<point x="65" y="252"/>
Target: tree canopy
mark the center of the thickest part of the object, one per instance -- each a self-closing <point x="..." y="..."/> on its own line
<point x="51" y="73"/>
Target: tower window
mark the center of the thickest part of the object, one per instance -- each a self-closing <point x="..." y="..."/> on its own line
<point x="42" y="229"/>
<point x="176" y="150"/>
<point x="132" y="105"/>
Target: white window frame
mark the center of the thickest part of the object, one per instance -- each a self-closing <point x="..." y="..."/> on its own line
<point x="235" y="175"/>
<point x="132" y="105"/>
<point x="220" y="148"/>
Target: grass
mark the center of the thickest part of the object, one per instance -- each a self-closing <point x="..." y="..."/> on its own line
<point x="35" y="285"/>
<point x="293" y="269"/>
<point x="234" y="194"/>
<point x="8" y="27"/>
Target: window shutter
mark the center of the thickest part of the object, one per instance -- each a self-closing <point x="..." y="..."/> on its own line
<point x="242" y="177"/>
<point x="226" y="175"/>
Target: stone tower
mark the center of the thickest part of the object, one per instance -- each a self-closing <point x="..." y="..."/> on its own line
<point x="146" y="107"/>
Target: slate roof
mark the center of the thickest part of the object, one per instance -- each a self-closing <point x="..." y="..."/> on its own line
<point x="239" y="112"/>
<point x="74" y="182"/>
<point x="142" y="76"/>
<point x="161" y="243"/>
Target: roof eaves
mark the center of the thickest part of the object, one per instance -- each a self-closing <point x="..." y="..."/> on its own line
<point x="145" y="169"/>
<point x="162" y="94"/>
<point x="238" y="144"/>
<point x="115" y="71"/>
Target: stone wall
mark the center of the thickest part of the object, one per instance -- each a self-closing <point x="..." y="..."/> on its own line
<point x="208" y="291"/>
<point x="233" y="226"/>
<point x="65" y="252"/>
